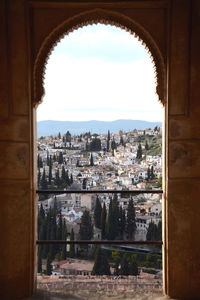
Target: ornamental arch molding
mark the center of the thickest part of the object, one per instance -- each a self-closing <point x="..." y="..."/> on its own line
<point x="93" y="17"/>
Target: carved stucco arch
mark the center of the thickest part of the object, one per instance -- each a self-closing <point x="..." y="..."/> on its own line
<point x="93" y="17"/>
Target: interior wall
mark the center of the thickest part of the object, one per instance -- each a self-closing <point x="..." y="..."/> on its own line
<point x="179" y="40"/>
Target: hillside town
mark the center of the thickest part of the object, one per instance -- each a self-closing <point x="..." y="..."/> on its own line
<point x="126" y="161"/>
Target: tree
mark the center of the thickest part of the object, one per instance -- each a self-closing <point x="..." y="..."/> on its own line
<point x="47" y="158"/>
<point x="139" y="152"/>
<point x="95" y="145"/>
<point x="72" y="248"/>
<point x="91" y="160"/>
<point x="84" y="185"/>
<point x="78" y="163"/>
<point x="133" y="267"/>
<point x="48" y="266"/>
<point x="152" y="173"/>
<point x="109" y="223"/>
<point x="39" y="162"/>
<point x="130" y="220"/>
<point x="59" y="135"/>
<point x="39" y="260"/>
<point x="57" y="180"/>
<point x="86" y="228"/>
<point x="68" y="137"/>
<point x="63" y="175"/>
<point x="124" y="270"/>
<point x="71" y="179"/>
<point x="60" y="159"/>
<point x="50" y="170"/>
<point x="43" y="180"/>
<point x="113" y="144"/>
<point x="41" y="217"/>
<point x="122" y="222"/>
<point x="121" y="140"/>
<point x="146" y="146"/>
<point x="148" y="173"/>
<point x="108" y="141"/>
<point x="101" y="265"/>
<point x="116" y="260"/>
<point x="108" y="135"/>
<point x="97" y="213"/>
<point x="68" y="181"/>
<point x="64" y="235"/>
<point x="115" y="217"/>
<point x="154" y="232"/>
<point x="103" y="222"/>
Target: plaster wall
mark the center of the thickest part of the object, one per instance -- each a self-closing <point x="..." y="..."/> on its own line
<point x="175" y="28"/>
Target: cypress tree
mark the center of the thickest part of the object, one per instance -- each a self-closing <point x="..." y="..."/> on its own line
<point x="109" y="223"/>
<point x="64" y="235"/>
<point x="130" y="220"/>
<point x="97" y="213"/>
<point x="86" y="228"/>
<point x="68" y="182"/>
<point x="47" y="158"/>
<point x="39" y="260"/>
<point x="48" y="266"/>
<point x="68" y="137"/>
<point x="124" y="270"/>
<point x="139" y="152"/>
<point x="41" y="217"/>
<point x="78" y="163"/>
<point x="101" y="265"/>
<point x="133" y="267"/>
<point x="71" y="179"/>
<point x="108" y="141"/>
<point x="159" y="235"/>
<point x="50" y="170"/>
<point x="108" y="135"/>
<point x="108" y="146"/>
<point x="122" y="222"/>
<point x="103" y="222"/>
<point x="113" y="144"/>
<point x="43" y="180"/>
<point x="57" y="180"/>
<point x="146" y="146"/>
<point x="72" y="248"/>
<point x="63" y="175"/>
<point x="59" y="232"/>
<point x="91" y="160"/>
<point x="115" y="217"/>
<point x="84" y="184"/>
<point x="152" y="173"/>
<point x="60" y="159"/>
<point x="148" y="173"/>
<point x="38" y="161"/>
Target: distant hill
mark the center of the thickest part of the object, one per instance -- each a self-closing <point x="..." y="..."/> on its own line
<point x="46" y="128"/>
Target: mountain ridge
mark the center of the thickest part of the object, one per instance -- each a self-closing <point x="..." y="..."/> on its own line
<point x="53" y="127"/>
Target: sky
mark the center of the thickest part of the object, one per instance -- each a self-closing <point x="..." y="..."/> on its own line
<point x="99" y="72"/>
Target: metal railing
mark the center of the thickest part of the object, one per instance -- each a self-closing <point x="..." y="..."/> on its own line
<point x="99" y="242"/>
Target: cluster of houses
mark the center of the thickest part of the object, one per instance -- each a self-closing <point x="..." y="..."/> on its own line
<point x="117" y="169"/>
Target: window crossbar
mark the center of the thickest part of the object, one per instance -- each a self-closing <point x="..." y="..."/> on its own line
<point x="131" y="192"/>
<point x="102" y="242"/>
